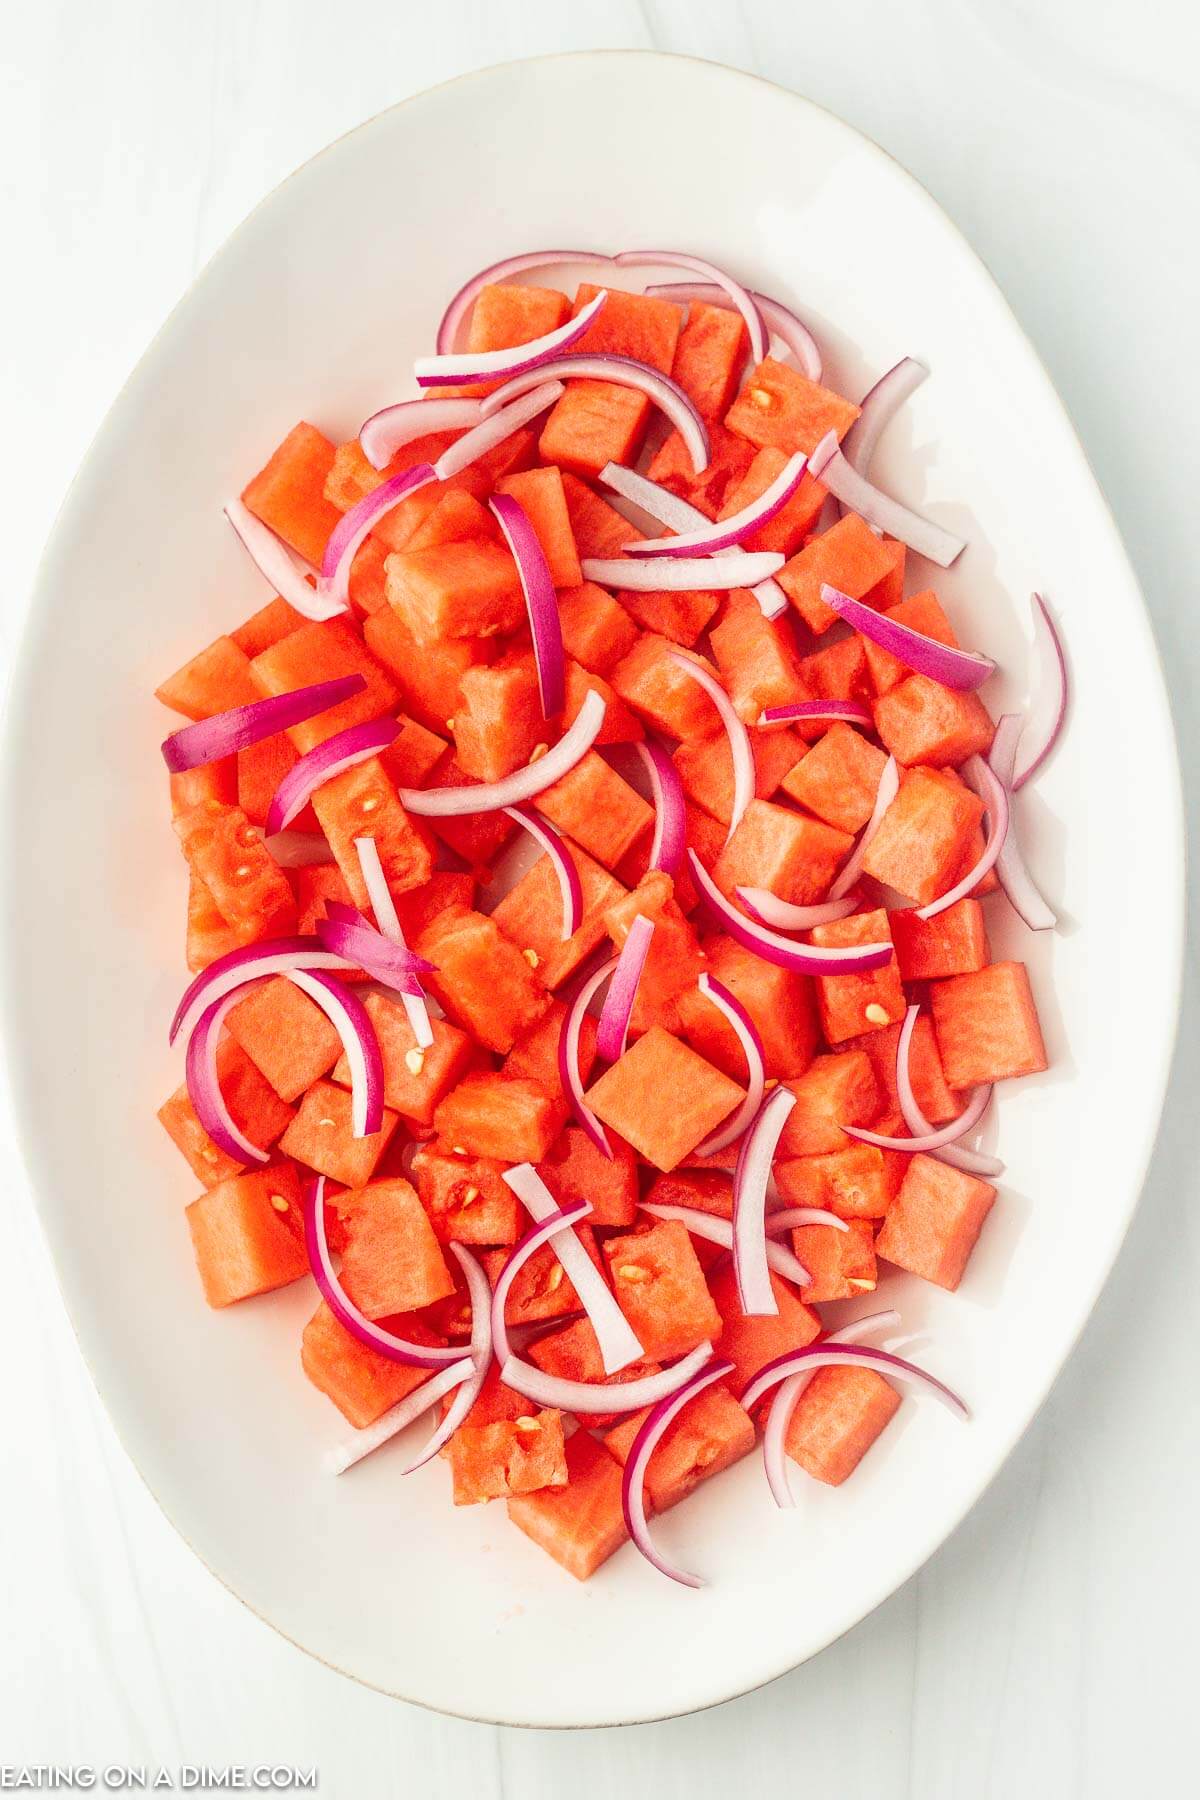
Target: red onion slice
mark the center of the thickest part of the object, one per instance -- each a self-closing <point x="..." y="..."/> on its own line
<point x="494" y="427"/>
<point x="344" y="750"/>
<point x="619" y="1343"/>
<point x="1022" y="890"/>
<point x="740" y="297"/>
<point x="352" y="1450"/>
<point x="682" y="516"/>
<point x="352" y="528"/>
<point x="879" y="510"/>
<point x="748" y="1037"/>
<point x="963" y="670"/>
<point x="396" y="1349"/>
<point x="613" y="1030"/>
<point x="979" y="776"/>
<point x="541" y="603"/>
<point x="369" y="950"/>
<point x="974" y="1162"/>
<point x="204" y="1086"/>
<point x="885" y="793"/>
<point x="272" y="956"/>
<point x="849" y="1356"/>
<point x="208" y="740"/>
<point x="481" y="1355"/>
<point x="494" y="796"/>
<point x="715" y="1230"/>
<point x="804" y="959"/>
<point x="568" y="1054"/>
<point x="878" y="408"/>
<point x="670" y="809"/>
<point x="392" y="427"/>
<point x="1043" y="731"/>
<point x="848" y="712"/>
<point x="538" y="1234"/>
<point x="784" y="1405"/>
<point x="352" y="1022"/>
<point x="769" y="909"/>
<point x="735" y="731"/>
<point x="725" y="534"/>
<point x="491" y="365"/>
<point x="384" y="908"/>
<point x="275" y="563"/>
<point x="666" y="394"/>
<point x="667" y="575"/>
<point x="966" y="1121"/>
<point x="633" y="1476"/>
<point x="569" y="885"/>
<point x="789" y="1218"/>
<point x="585" y="1397"/>
<point x="783" y="322"/>
<point x="750" y="1178"/>
<point x="497" y="272"/>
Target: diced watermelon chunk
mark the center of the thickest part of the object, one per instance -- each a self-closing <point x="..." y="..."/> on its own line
<point x="838" y="779"/>
<point x="575" y="1169"/>
<point x="592" y="805"/>
<point x="362" y="1383"/>
<point x="780" y="407"/>
<point x="779" y="1002"/>
<point x="509" y="1117"/>
<point x="749" y="1343"/>
<point x="508" y="1457"/>
<point x="709" y="357"/>
<point x="596" y="629"/>
<point x="392" y="1262"/>
<point x="838" y="1417"/>
<point x="660" y="1287"/>
<point x="362" y="802"/>
<point x="324" y="652"/>
<point x="920" y="721"/>
<point x="708" y="1435"/>
<point x="923" y="834"/>
<point x="465" y="1198"/>
<point x="841" y="1264"/>
<point x="933" y="1224"/>
<point x="953" y="942"/>
<point x="241" y="1243"/>
<point x="791" y="855"/>
<point x="285" y="1034"/>
<point x="539" y="492"/>
<point x="582" y="1524"/>
<point x="288" y="493"/>
<point x="852" y="1004"/>
<point x="321" y="1135"/>
<point x="848" y="557"/>
<point x="627" y="1098"/>
<point x="663" y="694"/>
<point x="836" y="1090"/>
<point x="415" y="1078"/>
<point x="482" y="979"/>
<point x="458" y="590"/>
<point x="987" y="1025"/>
<point x="757" y="658"/>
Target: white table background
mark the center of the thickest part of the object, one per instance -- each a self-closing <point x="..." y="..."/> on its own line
<point x="1048" y="1650"/>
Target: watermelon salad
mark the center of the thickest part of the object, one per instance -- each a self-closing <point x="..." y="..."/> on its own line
<point x="589" y="848"/>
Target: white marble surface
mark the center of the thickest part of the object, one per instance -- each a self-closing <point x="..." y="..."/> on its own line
<point x="1047" y="1650"/>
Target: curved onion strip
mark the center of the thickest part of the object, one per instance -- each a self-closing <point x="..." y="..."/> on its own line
<point x="494" y="796"/>
<point x="885" y="793"/>
<point x="880" y="510"/>
<point x="849" y="1356"/>
<point x="396" y="1349"/>
<point x="208" y="740"/>
<point x="682" y="516"/>
<point x="585" y="1397"/>
<point x="619" y="1344"/>
<point x="803" y="959"/>
<point x="204" y="1086"/>
<point x="966" y="1121"/>
<point x="974" y="1162"/>
<point x="569" y="885"/>
<point x="352" y="1022"/>
<point x="661" y="574"/>
<point x="1011" y="870"/>
<point x="275" y="563"/>
<point x="784" y="1405"/>
<point x="613" y="1031"/>
<point x="740" y="297"/>
<point x="633" y="1477"/>
<point x="445" y="370"/>
<point x="343" y="1456"/>
<point x="344" y="750"/>
<point x="963" y="670"/>
<point x="384" y="908"/>
<point x="792" y="332"/>
<point x="537" y="1235"/>
<point x="271" y="956"/>
<point x="670" y="811"/>
<point x="735" y="731"/>
<point x="352" y="528"/>
<point x="497" y="272"/>
<point x="748" y="1037"/>
<point x="877" y="409"/>
<point x="348" y="934"/>
<point x="727" y="534"/>
<point x="1041" y="734"/>
<point x="568" y="1054"/>
<point x="750" y="1178"/>
<point x="979" y="776"/>
<point x="848" y="712"/>
<point x="481" y="1355"/>
<point x="769" y="909"/>
<point x="392" y="427"/>
<point x="494" y="427"/>
<point x="791" y="1218"/>
<point x="541" y="602"/>
<point x="716" y="1230"/>
<point x="666" y="394"/>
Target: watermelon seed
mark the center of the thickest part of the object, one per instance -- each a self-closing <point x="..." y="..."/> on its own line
<point x="414" y="1061"/>
<point x="279" y="1203"/>
<point x="531" y="957"/>
<point x="876" y="1014"/>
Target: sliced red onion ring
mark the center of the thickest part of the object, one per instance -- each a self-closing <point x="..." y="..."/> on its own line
<point x="849" y="1356"/>
<point x="494" y="427"/>
<point x="667" y="575"/>
<point x="352" y="528"/>
<point x="204" y="1086"/>
<point x="208" y="740"/>
<point x="878" y="408"/>
<point x="963" y="670"/>
<point x="741" y="297"/>
<point x="568" y="1054"/>
<point x="667" y="395"/>
<point x="879" y="510"/>
<point x="790" y="1218"/>
<point x="633" y="1477"/>
<point x="735" y="731"/>
<point x="1044" y="729"/>
<point x="748" y="1037"/>
<point x="538" y="1234"/>
<point x="370" y="951"/>
<point x="272" y="956"/>
<point x="342" y="751"/>
<point x="670" y="809"/>
<point x="613" y="1031"/>
<point x="275" y="563"/>
<point x="716" y="1230"/>
<point x="784" y="1405"/>
<point x="585" y="1397"/>
<point x="848" y="712"/>
<point x="541" y="603"/>
<point x="750" y="1177"/>
<point x="966" y="1121"/>
<point x="569" y="885"/>
<point x="619" y="1343"/>
<point x="392" y="427"/>
<point x="481" y="1355"/>
<point x="804" y="959"/>
<point x="384" y="908"/>
<point x="769" y="909"/>
<point x="352" y="1022"/>
<point x="724" y="534"/>
<point x="396" y="1349"/>
<point x="497" y="272"/>
<point x="1022" y="890"/>
<point x="350" y="1451"/>
<point x="497" y="365"/>
<point x="974" y="1162"/>
<point x="783" y="322"/>
<point x="979" y="776"/>
<point x="885" y="793"/>
<point x="494" y="796"/>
